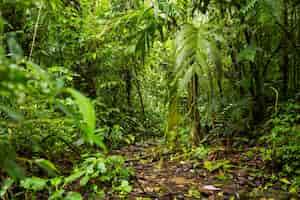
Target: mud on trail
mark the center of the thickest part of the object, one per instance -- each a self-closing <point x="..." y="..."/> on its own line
<point x="164" y="174"/>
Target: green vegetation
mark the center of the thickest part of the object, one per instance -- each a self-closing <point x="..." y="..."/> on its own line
<point x="145" y="99"/>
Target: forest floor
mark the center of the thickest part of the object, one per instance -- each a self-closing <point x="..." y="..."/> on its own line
<point x="173" y="174"/>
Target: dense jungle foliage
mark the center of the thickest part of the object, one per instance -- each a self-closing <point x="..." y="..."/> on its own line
<point x="149" y="99"/>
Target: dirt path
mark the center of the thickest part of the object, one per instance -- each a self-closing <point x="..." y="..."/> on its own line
<point x="160" y="174"/>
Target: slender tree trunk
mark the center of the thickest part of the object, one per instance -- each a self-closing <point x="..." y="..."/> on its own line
<point x="285" y="53"/>
<point x="128" y="80"/>
<point x="298" y="42"/>
<point x="238" y="69"/>
<point x="259" y="101"/>
<point x="138" y="87"/>
<point x="141" y="98"/>
<point x="196" y="133"/>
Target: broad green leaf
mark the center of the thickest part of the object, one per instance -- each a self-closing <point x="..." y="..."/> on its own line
<point x="285" y="180"/>
<point x="124" y="187"/>
<point x="56" y="181"/>
<point x="101" y="167"/>
<point x="183" y="83"/>
<point x="13" y="169"/>
<point x="98" y="140"/>
<point x="34" y="183"/>
<point x="48" y="166"/>
<point x="73" y="196"/>
<point x="76" y="175"/>
<point x="8" y="160"/>
<point x="84" y="180"/>
<point x="57" y="195"/>
<point x="87" y="111"/>
<point x="247" y="54"/>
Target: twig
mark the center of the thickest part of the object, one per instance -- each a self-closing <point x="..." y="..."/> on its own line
<point x="35" y="32"/>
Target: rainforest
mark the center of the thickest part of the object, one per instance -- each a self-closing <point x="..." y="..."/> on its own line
<point x="149" y="99"/>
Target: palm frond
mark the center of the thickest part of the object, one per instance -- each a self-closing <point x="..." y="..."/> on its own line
<point x="191" y="51"/>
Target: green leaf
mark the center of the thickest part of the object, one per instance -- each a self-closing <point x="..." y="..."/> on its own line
<point x="14" y="48"/>
<point x="101" y="167"/>
<point x="124" y="187"/>
<point x="57" y="195"/>
<point x="56" y="181"/>
<point x="76" y="175"/>
<point x="215" y="165"/>
<point x="247" y="54"/>
<point x="48" y="166"/>
<point x="5" y="186"/>
<point x="73" y="196"/>
<point x="98" y="140"/>
<point x="84" y="180"/>
<point x="285" y="180"/>
<point x="34" y="183"/>
<point x="13" y="169"/>
<point x="13" y="114"/>
<point x="86" y="109"/>
<point x="201" y="152"/>
<point x="8" y="160"/>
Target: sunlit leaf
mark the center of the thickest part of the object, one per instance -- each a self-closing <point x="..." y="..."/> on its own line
<point x="73" y="196"/>
<point x="247" y="54"/>
<point x="86" y="109"/>
<point x="34" y="183"/>
<point x="76" y="175"/>
<point x="48" y="166"/>
<point x="57" y="195"/>
<point x="84" y="180"/>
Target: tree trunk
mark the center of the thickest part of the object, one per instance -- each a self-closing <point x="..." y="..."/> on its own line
<point x="128" y="80"/>
<point x="196" y="133"/>
<point x="259" y="102"/>
<point x="138" y="87"/>
<point x="285" y="58"/>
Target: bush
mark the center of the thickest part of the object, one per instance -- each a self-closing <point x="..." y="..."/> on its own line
<point x="284" y="138"/>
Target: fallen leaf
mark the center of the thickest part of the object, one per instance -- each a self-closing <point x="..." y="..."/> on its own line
<point x="180" y="180"/>
<point x="211" y="188"/>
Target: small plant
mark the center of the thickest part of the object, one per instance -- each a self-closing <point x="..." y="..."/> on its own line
<point x="284" y="139"/>
<point x="104" y="171"/>
<point x="201" y="152"/>
<point x="193" y="193"/>
<point x="95" y="174"/>
<point x="212" y="166"/>
<point x="34" y="185"/>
